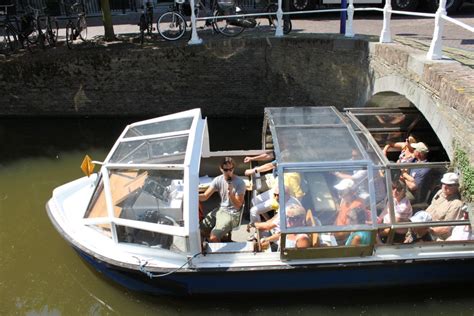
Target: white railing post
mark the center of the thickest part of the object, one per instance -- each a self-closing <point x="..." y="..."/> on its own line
<point x="194" y="36"/>
<point x="435" y="51"/>
<point x="279" y="28"/>
<point x="350" y="18"/>
<point x="386" y="36"/>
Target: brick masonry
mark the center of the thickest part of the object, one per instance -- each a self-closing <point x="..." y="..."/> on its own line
<point x="237" y="77"/>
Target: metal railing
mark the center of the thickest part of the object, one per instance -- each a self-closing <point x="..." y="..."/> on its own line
<point x="434" y="52"/>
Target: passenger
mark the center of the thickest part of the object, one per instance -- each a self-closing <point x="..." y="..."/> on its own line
<point x="295" y="217"/>
<point x="358" y="216"/>
<point x="262" y="203"/>
<point x="349" y="202"/>
<point x="446" y="205"/>
<point x="407" y="152"/>
<point x="359" y="176"/>
<point x="462" y="232"/>
<point x="419" y="234"/>
<point x="231" y="190"/>
<point x="403" y="211"/>
<point x="416" y="178"/>
<point x="269" y="204"/>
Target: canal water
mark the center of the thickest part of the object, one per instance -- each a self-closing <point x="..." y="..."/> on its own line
<point x="41" y="275"/>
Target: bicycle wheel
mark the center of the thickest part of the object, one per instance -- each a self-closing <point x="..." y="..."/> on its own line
<point x="272" y="19"/>
<point x="9" y="42"/>
<point x="70" y="29"/>
<point x="226" y="26"/>
<point x="82" y="28"/>
<point x="171" y="26"/>
<point x="32" y="34"/>
<point x="52" y="30"/>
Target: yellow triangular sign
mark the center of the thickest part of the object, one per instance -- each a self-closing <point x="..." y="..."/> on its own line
<point x="87" y="166"/>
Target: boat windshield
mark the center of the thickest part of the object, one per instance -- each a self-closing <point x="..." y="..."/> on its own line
<point x="140" y="194"/>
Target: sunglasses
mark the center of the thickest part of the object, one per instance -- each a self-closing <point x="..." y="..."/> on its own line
<point x="227" y="170"/>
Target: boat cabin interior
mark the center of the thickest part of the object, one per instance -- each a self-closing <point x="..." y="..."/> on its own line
<point x="147" y="190"/>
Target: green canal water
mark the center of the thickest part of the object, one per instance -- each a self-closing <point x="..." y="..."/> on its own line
<point x="41" y="275"/>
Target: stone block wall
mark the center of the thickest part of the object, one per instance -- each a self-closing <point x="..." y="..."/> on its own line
<point x="230" y="77"/>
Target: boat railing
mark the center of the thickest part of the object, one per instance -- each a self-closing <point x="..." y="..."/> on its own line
<point x="436" y="45"/>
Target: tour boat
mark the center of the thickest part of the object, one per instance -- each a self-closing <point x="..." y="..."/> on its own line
<point x="136" y="220"/>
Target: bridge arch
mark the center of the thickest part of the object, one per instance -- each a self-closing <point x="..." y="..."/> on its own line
<point x="424" y="101"/>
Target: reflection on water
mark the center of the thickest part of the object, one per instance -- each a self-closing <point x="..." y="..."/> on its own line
<point x="41" y="275"/>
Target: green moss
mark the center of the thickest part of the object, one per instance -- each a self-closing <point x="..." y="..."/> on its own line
<point x="461" y="160"/>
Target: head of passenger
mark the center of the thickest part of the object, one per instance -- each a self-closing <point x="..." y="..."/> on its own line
<point x="295" y="216"/>
<point x="421" y="217"/>
<point x="421" y="151"/>
<point x="345" y="188"/>
<point x="450" y="184"/>
<point x="357" y="216"/>
<point x="411" y="139"/>
<point x="355" y="154"/>
<point x="399" y="190"/>
<point x="227" y="167"/>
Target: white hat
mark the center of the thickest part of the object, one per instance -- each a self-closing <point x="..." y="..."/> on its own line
<point x="421" y="147"/>
<point x="344" y="185"/>
<point x="450" y="178"/>
<point x="421" y="217"/>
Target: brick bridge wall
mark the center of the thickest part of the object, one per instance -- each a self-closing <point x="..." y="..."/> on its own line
<point x="442" y="90"/>
<point x="230" y="77"/>
<point x="238" y="77"/>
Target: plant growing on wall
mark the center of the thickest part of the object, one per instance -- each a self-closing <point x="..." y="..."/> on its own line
<point x="461" y="160"/>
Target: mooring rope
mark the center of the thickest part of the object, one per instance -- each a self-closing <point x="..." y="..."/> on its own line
<point x="153" y="275"/>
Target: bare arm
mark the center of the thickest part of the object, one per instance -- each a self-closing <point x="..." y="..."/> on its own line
<point x="262" y="157"/>
<point x="206" y="195"/>
<point x="263" y="168"/>
<point x="409" y="180"/>
<point x="236" y="199"/>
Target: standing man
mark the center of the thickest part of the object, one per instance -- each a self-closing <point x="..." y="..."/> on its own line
<point x="231" y="189"/>
<point x="446" y="205"/>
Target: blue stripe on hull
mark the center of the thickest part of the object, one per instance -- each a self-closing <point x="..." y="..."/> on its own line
<point x="297" y="279"/>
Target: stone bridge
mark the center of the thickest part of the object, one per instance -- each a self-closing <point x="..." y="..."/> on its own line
<point x="239" y="77"/>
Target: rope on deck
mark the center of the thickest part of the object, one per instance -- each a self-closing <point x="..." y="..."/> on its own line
<point x="154" y="275"/>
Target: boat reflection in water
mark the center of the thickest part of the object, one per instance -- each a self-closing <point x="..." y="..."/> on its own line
<point x="137" y="219"/>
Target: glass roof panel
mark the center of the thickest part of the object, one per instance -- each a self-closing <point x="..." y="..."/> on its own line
<point x="169" y="150"/>
<point x="304" y="116"/>
<point x="174" y="125"/>
<point x="313" y="144"/>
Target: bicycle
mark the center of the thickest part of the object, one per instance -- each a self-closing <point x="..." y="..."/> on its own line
<point x="78" y="28"/>
<point x="49" y="27"/>
<point x="146" y="20"/>
<point x="172" y="24"/>
<point x="231" y="26"/>
<point x="31" y="27"/>
<point x="8" y="32"/>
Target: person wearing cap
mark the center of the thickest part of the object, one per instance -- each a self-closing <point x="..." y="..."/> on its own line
<point x="419" y="234"/>
<point x="349" y="201"/>
<point x="415" y="178"/>
<point x="446" y="205"/>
